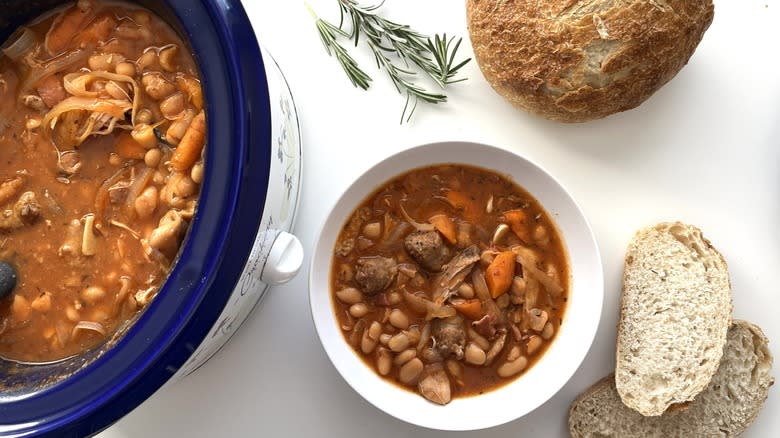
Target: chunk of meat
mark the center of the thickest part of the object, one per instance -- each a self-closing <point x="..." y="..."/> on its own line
<point x="450" y="336"/>
<point x="435" y="386"/>
<point x="454" y="273"/>
<point x="34" y="102"/>
<point x="496" y="348"/>
<point x="28" y="208"/>
<point x="486" y="326"/>
<point x="374" y="274"/>
<point x="428" y="249"/>
<point x="25" y="211"/>
<point x="51" y="90"/>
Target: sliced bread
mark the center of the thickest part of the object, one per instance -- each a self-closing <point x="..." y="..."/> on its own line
<point x="675" y="311"/>
<point x="726" y="408"/>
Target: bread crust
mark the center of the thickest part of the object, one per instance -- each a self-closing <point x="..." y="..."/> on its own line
<point x="579" y="60"/>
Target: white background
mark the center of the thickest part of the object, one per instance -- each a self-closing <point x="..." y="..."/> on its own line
<point x="704" y="149"/>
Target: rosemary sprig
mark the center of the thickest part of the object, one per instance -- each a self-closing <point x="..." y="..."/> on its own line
<point x="388" y="42"/>
<point x="328" y="34"/>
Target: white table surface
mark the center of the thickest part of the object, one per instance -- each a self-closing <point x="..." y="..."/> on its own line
<point x="704" y="149"/>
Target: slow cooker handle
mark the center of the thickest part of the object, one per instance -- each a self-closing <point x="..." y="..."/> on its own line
<point x="284" y="260"/>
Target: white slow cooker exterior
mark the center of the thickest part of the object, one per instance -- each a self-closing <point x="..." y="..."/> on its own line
<point x="276" y="255"/>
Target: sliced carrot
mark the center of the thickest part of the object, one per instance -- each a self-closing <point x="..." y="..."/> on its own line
<point x="127" y="147"/>
<point x="518" y="222"/>
<point x="65" y="27"/>
<point x="191" y="145"/>
<point x="445" y="226"/>
<point x="97" y="31"/>
<point x="500" y="273"/>
<point x="466" y="204"/>
<point x="471" y="309"/>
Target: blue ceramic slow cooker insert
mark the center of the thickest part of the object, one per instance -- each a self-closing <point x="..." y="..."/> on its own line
<point x="83" y="395"/>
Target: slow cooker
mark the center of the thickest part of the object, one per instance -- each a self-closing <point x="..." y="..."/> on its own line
<point x="238" y="244"/>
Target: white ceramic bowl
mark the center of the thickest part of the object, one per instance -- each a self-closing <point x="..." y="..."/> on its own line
<point x="540" y="382"/>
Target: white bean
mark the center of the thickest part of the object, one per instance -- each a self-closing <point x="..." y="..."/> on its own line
<point x="399" y="320"/>
<point x="465" y="291"/>
<point x="146" y="202"/>
<point x="104" y="61"/>
<point x="394" y="298"/>
<point x="367" y="345"/>
<point x="358" y="310"/>
<point x="372" y="230"/>
<point x="541" y="237"/>
<point x="186" y="187"/>
<point x="514" y="353"/>
<point x="410" y="371"/>
<point x="93" y="294"/>
<point x="42" y="303"/>
<point x="197" y="173"/>
<point x="125" y="68"/>
<point x="533" y="344"/>
<point x="399" y="342"/>
<point x="538" y="318"/>
<point x="71" y="313"/>
<point x="548" y="331"/>
<point x="384" y="361"/>
<point x="349" y="295"/>
<point x="172" y="106"/>
<point x="20" y="308"/>
<point x="152" y="157"/>
<point x="374" y="330"/>
<point x="509" y="369"/>
<point x="405" y="356"/>
<point x="518" y="286"/>
<point x="384" y="338"/>
<point x="475" y="355"/>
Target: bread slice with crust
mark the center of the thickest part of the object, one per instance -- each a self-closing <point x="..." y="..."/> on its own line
<point x="731" y="402"/>
<point x="674" y="314"/>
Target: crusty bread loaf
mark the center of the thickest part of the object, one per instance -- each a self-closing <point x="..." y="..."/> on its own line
<point x="578" y="60"/>
<point x="726" y="408"/>
<point x="675" y="311"/>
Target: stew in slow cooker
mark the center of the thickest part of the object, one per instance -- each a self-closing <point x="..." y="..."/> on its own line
<point x="451" y="280"/>
<point x="102" y="129"/>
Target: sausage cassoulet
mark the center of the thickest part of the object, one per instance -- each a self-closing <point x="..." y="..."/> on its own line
<point x="102" y="129"/>
<point x="450" y="280"/>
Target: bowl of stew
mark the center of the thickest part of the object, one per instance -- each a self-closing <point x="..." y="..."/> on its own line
<point x="456" y="294"/>
<point x="149" y="172"/>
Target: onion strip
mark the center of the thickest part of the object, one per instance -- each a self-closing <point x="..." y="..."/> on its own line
<point x="483" y="293"/>
<point x="528" y="261"/>
<point x="395" y="235"/>
<point x="101" y="197"/>
<point x="89" y="325"/>
<point x="76" y="84"/>
<point x="55" y="65"/>
<point x="136" y="187"/>
<point x="113" y="107"/>
<point x="431" y="309"/>
<point x="419" y="226"/>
